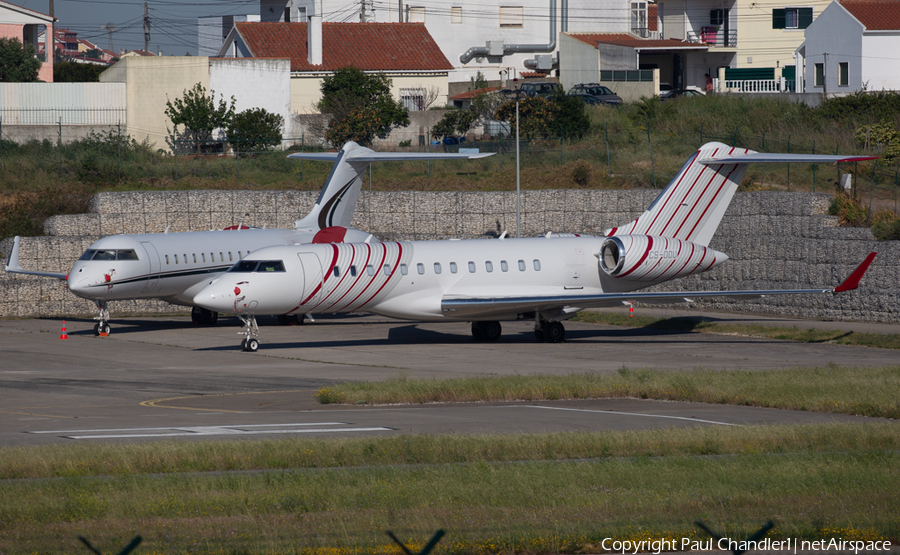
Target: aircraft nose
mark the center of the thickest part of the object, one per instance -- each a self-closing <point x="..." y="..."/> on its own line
<point x="223" y="297"/>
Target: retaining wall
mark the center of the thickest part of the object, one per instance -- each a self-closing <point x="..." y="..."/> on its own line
<point x="774" y="241"/>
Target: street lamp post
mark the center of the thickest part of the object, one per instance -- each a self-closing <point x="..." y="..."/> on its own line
<point x="518" y="187"/>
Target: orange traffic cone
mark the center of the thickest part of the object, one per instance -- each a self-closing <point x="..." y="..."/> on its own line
<point x="64" y="334"/>
<point x="631" y="310"/>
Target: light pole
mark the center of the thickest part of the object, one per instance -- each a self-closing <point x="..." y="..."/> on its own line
<point x="518" y="187"/>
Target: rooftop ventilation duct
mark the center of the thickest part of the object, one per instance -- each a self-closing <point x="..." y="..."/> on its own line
<point x="492" y="50"/>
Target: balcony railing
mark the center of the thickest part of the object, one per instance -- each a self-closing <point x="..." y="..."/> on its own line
<point x="759" y="85"/>
<point x="714" y="37"/>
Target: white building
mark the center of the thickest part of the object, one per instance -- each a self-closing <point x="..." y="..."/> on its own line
<point x="854" y="45"/>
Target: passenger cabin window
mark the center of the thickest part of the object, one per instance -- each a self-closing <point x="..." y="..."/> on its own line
<point x="471" y="267"/>
<point x="521" y="265"/>
<point x="420" y="268"/>
<point x="370" y="270"/>
<point x="203" y="257"/>
<point x="437" y="267"/>
<point x="176" y="259"/>
<point x="489" y="266"/>
<point x="386" y="269"/>
<point x="185" y="259"/>
<point x="230" y="259"/>
<point x="221" y="257"/>
<point x="537" y="265"/>
<point x="336" y="271"/>
<point x="504" y="267"/>
<point x="353" y="271"/>
<point x="195" y="257"/>
<point x="167" y="260"/>
<point x="403" y="269"/>
<point x="453" y="268"/>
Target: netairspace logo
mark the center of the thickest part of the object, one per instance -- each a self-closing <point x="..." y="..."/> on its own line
<point x="791" y="545"/>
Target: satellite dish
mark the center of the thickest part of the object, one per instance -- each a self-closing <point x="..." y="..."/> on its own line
<point x="110" y="28"/>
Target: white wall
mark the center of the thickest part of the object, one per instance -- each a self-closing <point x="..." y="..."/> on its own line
<point x="254" y="83"/>
<point x="580" y="62"/>
<point x="881" y="67"/>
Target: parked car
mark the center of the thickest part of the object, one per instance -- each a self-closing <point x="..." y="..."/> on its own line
<point x="678" y="93"/>
<point x="665" y="90"/>
<point x="540" y="88"/>
<point x="597" y="91"/>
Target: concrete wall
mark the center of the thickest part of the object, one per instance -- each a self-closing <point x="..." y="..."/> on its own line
<point x="255" y="83"/>
<point x="579" y="62"/>
<point x="67" y="133"/>
<point x="775" y="240"/>
<point x="149" y="83"/>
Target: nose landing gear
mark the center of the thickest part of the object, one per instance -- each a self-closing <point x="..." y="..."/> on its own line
<point x="102" y="326"/>
<point x="250" y="343"/>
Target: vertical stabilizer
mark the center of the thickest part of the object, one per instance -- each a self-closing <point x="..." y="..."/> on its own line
<point x="691" y="207"/>
<point x="337" y="201"/>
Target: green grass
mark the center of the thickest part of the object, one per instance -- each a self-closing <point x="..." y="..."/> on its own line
<point x="864" y="391"/>
<point x="704" y="325"/>
<point x="826" y="481"/>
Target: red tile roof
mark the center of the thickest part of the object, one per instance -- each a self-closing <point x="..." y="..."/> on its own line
<point x="366" y="46"/>
<point x="652" y="17"/>
<point x="632" y="41"/>
<point x="468" y="95"/>
<point x="875" y="15"/>
<point x="532" y="74"/>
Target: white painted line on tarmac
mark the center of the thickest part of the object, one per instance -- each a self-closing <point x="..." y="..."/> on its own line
<point x="689" y="419"/>
<point x="176" y="431"/>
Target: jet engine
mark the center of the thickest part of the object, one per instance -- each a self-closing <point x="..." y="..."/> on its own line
<point x="651" y="258"/>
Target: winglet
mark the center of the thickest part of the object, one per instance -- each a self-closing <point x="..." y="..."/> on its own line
<point x="12" y="263"/>
<point x="852" y="282"/>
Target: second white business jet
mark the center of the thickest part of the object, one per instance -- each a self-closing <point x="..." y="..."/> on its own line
<point x="174" y="266"/>
<point x="545" y="279"/>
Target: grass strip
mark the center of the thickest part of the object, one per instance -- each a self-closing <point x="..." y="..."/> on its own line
<point x="487" y="508"/>
<point x="862" y="391"/>
<point x="705" y="325"/>
<point x="167" y="457"/>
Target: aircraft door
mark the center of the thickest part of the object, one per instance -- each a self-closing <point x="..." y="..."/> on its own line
<point x="312" y="279"/>
<point x="153" y="257"/>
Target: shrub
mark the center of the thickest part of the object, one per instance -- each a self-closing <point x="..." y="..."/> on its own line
<point x="255" y="130"/>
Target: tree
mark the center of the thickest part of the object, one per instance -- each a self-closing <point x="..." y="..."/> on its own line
<point x="254" y="130"/>
<point x="359" y="107"/>
<point x="454" y="122"/>
<point x="559" y="116"/>
<point x="71" y="72"/>
<point x="17" y="62"/>
<point x="199" y="114"/>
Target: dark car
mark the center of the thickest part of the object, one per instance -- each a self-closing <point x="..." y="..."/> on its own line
<point x="602" y="94"/>
<point x="679" y="93"/>
<point x="543" y="89"/>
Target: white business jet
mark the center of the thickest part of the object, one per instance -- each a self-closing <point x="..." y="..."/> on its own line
<point x="174" y="266"/>
<point x="546" y="279"/>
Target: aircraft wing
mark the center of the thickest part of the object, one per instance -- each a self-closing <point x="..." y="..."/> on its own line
<point x="13" y="266"/>
<point x="388" y="156"/>
<point x="320" y="156"/>
<point x="766" y="158"/>
<point x="496" y="306"/>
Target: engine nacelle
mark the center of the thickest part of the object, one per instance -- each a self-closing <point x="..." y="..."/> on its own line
<point x="648" y="258"/>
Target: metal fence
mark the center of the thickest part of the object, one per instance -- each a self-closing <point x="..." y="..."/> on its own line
<point x="62" y="116"/>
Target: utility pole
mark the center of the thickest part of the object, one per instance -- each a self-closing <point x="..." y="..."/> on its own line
<point x="146" y="28"/>
<point x="50" y="40"/>
<point x="362" y="11"/>
<point x="824" y="77"/>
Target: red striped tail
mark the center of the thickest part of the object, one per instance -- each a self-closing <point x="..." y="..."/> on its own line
<point x="691" y="207"/>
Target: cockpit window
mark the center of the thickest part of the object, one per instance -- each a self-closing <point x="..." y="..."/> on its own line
<point x="88" y="254"/>
<point x="126" y="254"/>
<point x="104" y="255"/>
<point x="250" y="266"/>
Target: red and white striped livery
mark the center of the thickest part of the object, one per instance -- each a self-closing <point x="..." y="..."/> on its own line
<point x="546" y="279"/>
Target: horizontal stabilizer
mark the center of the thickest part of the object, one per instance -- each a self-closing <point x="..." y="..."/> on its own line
<point x="13" y="266"/>
<point x="765" y="158"/>
<point x="369" y="156"/>
<point x="320" y="156"/>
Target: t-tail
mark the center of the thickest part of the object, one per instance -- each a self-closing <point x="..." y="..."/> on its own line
<point x="337" y="201"/>
<point x="691" y="207"/>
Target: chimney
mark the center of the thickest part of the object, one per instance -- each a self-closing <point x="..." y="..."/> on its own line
<point x="314" y="39"/>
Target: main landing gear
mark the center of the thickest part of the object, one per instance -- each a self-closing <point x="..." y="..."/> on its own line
<point x="551" y="332"/>
<point x="203" y="317"/>
<point x="291" y="319"/>
<point x="250" y="343"/>
<point x="486" y="331"/>
<point x="102" y="326"/>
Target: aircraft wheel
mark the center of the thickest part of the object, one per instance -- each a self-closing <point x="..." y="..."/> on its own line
<point x="97" y="329"/>
<point x="477" y="331"/>
<point x="554" y="332"/>
<point x="104" y="328"/>
<point x="213" y="317"/>
<point x="491" y="331"/>
<point x="539" y="335"/>
<point x="252" y="345"/>
<point x="197" y="316"/>
<point x="244" y="344"/>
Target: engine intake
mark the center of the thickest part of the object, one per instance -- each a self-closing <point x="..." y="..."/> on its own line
<point x="648" y="258"/>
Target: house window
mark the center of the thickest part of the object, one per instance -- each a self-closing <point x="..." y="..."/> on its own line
<point x="456" y="14"/>
<point x="416" y="14"/>
<point x="413" y="99"/>
<point x="717" y="16"/>
<point x="819" y="75"/>
<point x="843" y="74"/>
<point x="511" y="16"/>
<point x="639" y="18"/>
<point x="792" y="18"/>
